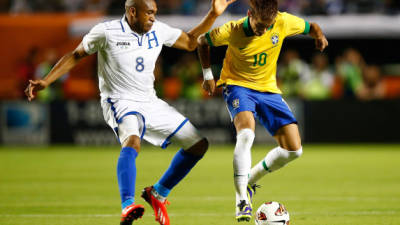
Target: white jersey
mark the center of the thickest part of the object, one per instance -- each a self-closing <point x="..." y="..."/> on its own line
<point x="126" y="59"/>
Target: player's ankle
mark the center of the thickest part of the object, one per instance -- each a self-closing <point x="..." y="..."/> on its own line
<point x="126" y="203"/>
<point x="157" y="195"/>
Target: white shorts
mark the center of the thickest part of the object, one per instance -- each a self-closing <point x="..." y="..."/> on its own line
<point x="154" y="121"/>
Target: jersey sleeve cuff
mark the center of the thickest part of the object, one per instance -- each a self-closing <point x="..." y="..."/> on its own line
<point x="86" y="46"/>
<point x="179" y="33"/>
<point x="307" y="28"/>
<point x="208" y="37"/>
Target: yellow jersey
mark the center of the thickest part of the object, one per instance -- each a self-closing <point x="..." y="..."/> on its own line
<point x="250" y="60"/>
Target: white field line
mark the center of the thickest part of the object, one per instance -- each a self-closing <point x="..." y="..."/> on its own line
<point x="231" y="198"/>
<point x="313" y="198"/>
<point x="351" y="213"/>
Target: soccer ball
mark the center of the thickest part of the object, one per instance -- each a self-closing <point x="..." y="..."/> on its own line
<point x="272" y="213"/>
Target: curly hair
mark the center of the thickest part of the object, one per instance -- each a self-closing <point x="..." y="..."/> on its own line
<point x="264" y="8"/>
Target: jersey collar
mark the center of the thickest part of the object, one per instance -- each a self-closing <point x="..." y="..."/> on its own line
<point x="125" y="26"/>
<point x="247" y="27"/>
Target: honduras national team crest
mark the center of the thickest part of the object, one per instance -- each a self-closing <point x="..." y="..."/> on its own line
<point x="275" y="39"/>
<point x="235" y="103"/>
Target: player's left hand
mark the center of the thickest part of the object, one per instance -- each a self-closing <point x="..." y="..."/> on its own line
<point x="321" y="43"/>
<point x="33" y="87"/>
<point x="219" y="6"/>
<point x="209" y="86"/>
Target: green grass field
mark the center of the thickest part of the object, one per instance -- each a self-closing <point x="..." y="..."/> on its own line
<point x="329" y="185"/>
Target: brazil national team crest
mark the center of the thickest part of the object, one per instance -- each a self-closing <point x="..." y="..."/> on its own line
<point x="275" y="39"/>
<point x="235" y="103"/>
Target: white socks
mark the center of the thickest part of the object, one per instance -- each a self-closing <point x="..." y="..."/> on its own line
<point x="275" y="159"/>
<point x="244" y="174"/>
<point x="242" y="162"/>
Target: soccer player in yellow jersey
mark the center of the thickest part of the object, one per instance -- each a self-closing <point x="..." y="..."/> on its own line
<point x="248" y="78"/>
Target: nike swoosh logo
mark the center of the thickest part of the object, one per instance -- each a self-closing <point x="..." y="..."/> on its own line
<point x="238" y="175"/>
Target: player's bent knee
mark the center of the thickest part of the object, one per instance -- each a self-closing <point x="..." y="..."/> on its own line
<point x="296" y="154"/>
<point x="206" y="144"/>
<point x="200" y="148"/>
<point x="203" y="146"/>
<point x="132" y="141"/>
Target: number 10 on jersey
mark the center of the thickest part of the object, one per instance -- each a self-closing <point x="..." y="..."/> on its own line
<point x="260" y="59"/>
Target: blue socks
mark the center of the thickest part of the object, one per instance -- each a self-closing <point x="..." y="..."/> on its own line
<point x="180" y="166"/>
<point x="126" y="172"/>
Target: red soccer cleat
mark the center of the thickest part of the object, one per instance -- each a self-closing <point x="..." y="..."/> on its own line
<point x="160" y="210"/>
<point x="131" y="213"/>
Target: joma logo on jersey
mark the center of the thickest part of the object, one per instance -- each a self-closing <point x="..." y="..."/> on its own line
<point x="123" y="44"/>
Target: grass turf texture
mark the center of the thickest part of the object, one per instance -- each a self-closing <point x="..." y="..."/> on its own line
<point x="329" y="185"/>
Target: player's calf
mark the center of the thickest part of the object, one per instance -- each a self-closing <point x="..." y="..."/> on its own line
<point x="200" y="148"/>
<point x="279" y="157"/>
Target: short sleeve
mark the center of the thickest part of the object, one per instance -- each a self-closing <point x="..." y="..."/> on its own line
<point x="220" y="36"/>
<point x="295" y="25"/>
<point x="170" y="34"/>
<point x="95" y="39"/>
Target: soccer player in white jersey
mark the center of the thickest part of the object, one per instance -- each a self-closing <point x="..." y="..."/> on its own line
<point x="127" y="50"/>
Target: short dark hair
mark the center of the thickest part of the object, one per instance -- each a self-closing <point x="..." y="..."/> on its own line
<point x="264" y="9"/>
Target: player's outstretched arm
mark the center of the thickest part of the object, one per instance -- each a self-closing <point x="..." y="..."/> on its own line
<point x="63" y="66"/>
<point x="204" y="54"/>
<point x="320" y="40"/>
<point x="188" y="41"/>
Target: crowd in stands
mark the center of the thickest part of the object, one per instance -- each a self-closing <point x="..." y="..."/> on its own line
<point x="348" y="77"/>
<point x="195" y="7"/>
<point x="321" y="77"/>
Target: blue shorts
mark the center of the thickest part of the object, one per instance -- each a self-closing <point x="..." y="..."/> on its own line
<point x="269" y="108"/>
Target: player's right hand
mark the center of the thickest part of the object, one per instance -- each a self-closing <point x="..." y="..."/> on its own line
<point x="219" y="6"/>
<point x="209" y="86"/>
<point x="33" y="87"/>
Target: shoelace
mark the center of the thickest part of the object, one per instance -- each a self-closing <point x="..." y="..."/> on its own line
<point x="241" y="205"/>
<point x="255" y="186"/>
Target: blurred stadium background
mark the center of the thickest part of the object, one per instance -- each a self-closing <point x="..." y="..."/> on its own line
<point x="348" y="94"/>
